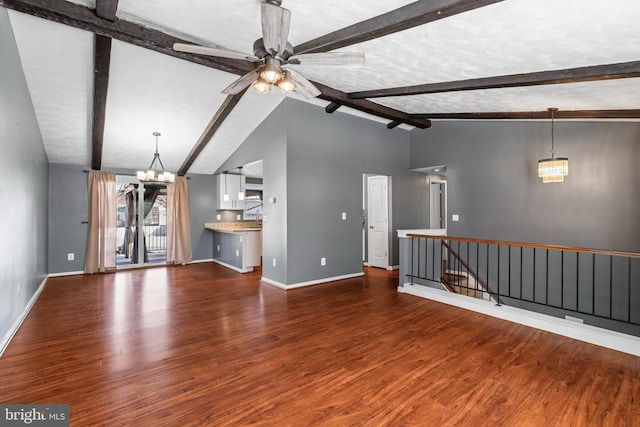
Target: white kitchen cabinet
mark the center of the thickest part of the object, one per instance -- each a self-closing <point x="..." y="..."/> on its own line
<point x="233" y="185"/>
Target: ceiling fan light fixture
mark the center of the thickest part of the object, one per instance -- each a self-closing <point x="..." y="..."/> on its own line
<point x="286" y="84"/>
<point x="261" y="86"/>
<point x="271" y="72"/>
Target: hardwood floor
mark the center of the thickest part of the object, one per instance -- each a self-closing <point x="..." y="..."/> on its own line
<point x="203" y="345"/>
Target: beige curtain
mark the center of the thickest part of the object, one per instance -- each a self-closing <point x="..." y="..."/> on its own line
<point x="178" y="222"/>
<point x="101" y="237"/>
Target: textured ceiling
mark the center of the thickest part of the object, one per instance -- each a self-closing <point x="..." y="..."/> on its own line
<point x="151" y="92"/>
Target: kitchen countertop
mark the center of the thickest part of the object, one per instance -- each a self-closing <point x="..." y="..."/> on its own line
<point x="233" y="229"/>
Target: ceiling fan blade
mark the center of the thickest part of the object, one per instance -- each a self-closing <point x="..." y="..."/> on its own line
<point x="304" y="86"/>
<point x="275" y="27"/>
<point x="244" y="81"/>
<point x="340" y="59"/>
<point x="212" y="51"/>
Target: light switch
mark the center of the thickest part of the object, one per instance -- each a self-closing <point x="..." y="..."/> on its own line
<point x="455" y="217"/>
<point x="344" y="216"/>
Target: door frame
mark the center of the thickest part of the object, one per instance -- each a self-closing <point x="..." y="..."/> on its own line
<point x="367" y="217"/>
<point x="443" y="201"/>
<point x="131" y="179"/>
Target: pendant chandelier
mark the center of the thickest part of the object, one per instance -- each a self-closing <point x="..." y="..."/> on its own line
<point x="553" y="169"/>
<point x="154" y="174"/>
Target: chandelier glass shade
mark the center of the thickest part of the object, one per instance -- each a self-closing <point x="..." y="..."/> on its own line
<point x="156" y="173"/>
<point x="553" y="169"/>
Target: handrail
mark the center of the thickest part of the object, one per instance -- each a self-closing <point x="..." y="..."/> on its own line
<point x="602" y="284"/>
<point x="531" y="245"/>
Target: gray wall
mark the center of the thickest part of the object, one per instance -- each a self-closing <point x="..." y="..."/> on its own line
<point x="268" y="142"/>
<point x="23" y="192"/>
<point x="327" y="155"/>
<point x="493" y="184"/>
<point x="202" y="204"/>
<point x="68" y="213"/>
<point x="68" y="209"/>
<point x="313" y="165"/>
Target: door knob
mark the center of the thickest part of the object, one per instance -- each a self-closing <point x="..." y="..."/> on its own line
<point x="371" y="227"/>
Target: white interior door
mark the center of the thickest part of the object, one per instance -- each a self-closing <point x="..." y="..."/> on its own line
<point x="437" y="204"/>
<point x="378" y="216"/>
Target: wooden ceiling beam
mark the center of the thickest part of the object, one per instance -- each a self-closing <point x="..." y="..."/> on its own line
<point x="331" y="108"/>
<point x="333" y="95"/>
<point x="533" y="115"/>
<point x="409" y="16"/>
<point x="81" y="17"/>
<point x="214" y="124"/>
<point x="623" y="70"/>
<point x="101" y="61"/>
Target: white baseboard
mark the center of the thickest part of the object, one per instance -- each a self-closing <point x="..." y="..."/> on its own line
<point x="591" y="334"/>
<point x="239" y="270"/>
<point x="199" y="261"/>
<point x="388" y="268"/>
<point x="16" y="325"/>
<point x="66" y="273"/>
<point x="310" y="283"/>
<point x="274" y="283"/>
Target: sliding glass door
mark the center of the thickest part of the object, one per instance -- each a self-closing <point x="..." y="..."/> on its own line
<point x="141" y="223"/>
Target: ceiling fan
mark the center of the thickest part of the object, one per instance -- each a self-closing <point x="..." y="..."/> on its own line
<point x="273" y="57"/>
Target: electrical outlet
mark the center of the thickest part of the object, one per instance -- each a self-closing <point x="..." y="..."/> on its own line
<point x="218" y="248"/>
<point x="344" y="216"/>
<point x="274" y="262"/>
<point x="238" y="217"/>
<point x="237" y="252"/>
<point x="19" y="288"/>
<point x="323" y="261"/>
<point x="218" y="217"/>
<point x="71" y="256"/>
<point x="455" y="217"/>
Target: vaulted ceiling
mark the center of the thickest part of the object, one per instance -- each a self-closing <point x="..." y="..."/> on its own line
<point x="103" y="75"/>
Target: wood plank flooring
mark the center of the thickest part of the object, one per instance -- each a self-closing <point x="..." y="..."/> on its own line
<point x="203" y="345"/>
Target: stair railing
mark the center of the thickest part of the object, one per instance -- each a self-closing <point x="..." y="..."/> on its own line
<point x="548" y="278"/>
